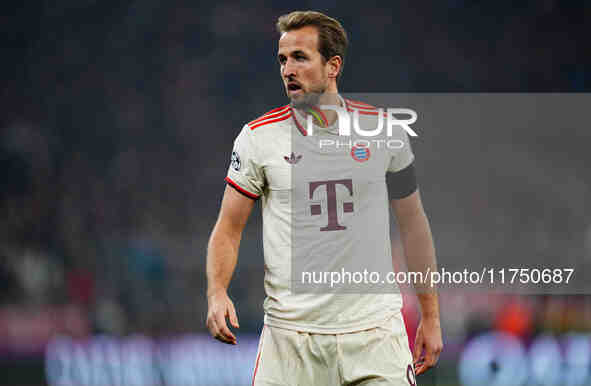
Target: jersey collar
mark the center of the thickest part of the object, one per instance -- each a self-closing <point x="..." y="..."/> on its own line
<point x="300" y="118"/>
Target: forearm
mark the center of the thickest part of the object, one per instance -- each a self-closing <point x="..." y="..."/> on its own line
<point x="222" y="256"/>
<point x="420" y="258"/>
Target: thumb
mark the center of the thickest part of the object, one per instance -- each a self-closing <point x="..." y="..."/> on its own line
<point x="232" y="315"/>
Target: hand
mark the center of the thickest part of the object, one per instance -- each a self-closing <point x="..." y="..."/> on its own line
<point x="428" y="339"/>
<point x="219" y="307"/>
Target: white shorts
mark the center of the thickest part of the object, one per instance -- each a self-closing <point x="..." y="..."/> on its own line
<point x="378" y="356"/>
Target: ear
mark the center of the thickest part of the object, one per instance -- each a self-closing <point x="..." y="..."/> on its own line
<point x="334" y="66"/>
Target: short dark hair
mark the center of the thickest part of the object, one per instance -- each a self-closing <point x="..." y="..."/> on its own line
<point x="332" y="37"/>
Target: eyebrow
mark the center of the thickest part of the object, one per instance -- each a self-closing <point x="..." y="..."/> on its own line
<point x="296" y="52"/>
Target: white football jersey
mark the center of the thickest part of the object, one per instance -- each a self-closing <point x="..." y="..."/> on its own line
<point x="325" y="208"/>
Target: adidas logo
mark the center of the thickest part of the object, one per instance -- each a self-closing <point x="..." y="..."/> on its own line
<point x="292" y="159"/>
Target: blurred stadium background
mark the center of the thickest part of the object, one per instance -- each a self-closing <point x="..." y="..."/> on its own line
<point x="116" y="123"/>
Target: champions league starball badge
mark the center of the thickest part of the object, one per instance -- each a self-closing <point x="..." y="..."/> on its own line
<point x="235" y="161"/>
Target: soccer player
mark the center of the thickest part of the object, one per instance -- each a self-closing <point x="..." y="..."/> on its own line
<point x="322" y="205"/>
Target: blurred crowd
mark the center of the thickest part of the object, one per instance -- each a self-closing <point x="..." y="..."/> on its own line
<point x="117" y="118"/>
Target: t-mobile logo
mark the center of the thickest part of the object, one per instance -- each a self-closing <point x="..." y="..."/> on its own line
<point x="331" y="202"/>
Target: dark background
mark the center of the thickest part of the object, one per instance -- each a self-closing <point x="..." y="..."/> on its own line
<point x="117" y="120"/>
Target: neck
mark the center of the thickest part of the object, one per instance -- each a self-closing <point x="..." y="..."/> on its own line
<point x="331" y="115"/>
<point x="325" y="117"/>
<point x="330" y="97"/>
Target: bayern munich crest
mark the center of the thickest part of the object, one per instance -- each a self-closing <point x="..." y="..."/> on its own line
<point x="360" y="153"/>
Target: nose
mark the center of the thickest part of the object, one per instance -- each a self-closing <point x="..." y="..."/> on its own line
<point x="288" y="70"/>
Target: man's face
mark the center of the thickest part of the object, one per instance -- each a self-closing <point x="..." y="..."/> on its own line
<point x="303" y="70"/>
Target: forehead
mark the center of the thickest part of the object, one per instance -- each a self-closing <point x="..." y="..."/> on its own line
<point x="305" y="39"/>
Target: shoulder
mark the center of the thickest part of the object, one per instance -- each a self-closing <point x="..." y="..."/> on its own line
<point x="270" y="119"/>
<point x="368" y="115"/>
<point x="362" y="107"/>
<point x="372" y="118"/>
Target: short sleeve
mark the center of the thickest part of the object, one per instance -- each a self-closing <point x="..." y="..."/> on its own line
<point x="402" y="155"/>
<point x="245" y="173"/>
<point x="400" y="176"/>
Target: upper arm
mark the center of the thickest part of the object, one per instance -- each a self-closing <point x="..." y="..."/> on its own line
<point x="245" y="172"/>
<point x="234" y="212"/>
<point x="245" y="181"/>
<point x="402" y="156"/>
<point x="400" y="174"/>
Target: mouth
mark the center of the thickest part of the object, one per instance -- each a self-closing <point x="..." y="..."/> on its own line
<point x="294" y="88"/>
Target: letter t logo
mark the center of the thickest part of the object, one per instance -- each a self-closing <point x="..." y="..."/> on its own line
<point x="331" y="202"/>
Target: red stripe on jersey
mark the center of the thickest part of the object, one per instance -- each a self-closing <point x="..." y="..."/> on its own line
<point x="256" y="366"/>
<point x="266" y="118"/>
<point x="275" y="110"/>
<point x="360" y="104"/>
<point x="303" y="131"/>
<point x="364" y="112"/>
<point x="271" y="114"/>
<point x="282" y="118"/>
<point x="237" y="187"/>
<point x="363" y="108"/>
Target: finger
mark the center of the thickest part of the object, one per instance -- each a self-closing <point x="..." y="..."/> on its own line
<point x="420" y="369"/>
<point x="232" y="316"/>
<point x="428" y="356"/>
<point x="215" y="328"/>
<point x="418" y="363"/>
<point x="224" y="337"/>
<point x="431" y="356"/>
<point x="224" y="331"/>
<point x="427" y="362"/>
<point x="211" y="326"/>
<point x="418" y="349"/>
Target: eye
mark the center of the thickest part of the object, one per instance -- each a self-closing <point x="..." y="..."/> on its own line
<point x="281" y="59"/>
<point x="300" y="58"/>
